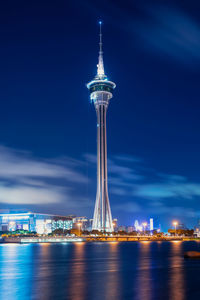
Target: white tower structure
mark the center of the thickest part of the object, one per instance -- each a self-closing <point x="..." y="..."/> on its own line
<point x="100" y="94"/>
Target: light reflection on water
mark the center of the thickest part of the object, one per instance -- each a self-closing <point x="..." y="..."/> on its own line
<point x="88" y="271"/>
<point x="113" y="287"/>
<point x="144" y="284"/>
<point x="176" y="282"/>
<point x="15" y="271"/>
<point x="43" y="270"/>
<point x="77" y="281"/>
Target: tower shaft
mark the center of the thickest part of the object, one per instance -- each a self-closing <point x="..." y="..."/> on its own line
<point x="102" y="214"/>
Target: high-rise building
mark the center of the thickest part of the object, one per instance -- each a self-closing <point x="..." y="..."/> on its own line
<point x="151" y="224"/>
<point x="136" y="225"/>
<point x="100" y="94"/>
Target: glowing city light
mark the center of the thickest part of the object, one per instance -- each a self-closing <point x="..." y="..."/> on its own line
<point x="14" y="217"/>
<point x="175" y="223"/>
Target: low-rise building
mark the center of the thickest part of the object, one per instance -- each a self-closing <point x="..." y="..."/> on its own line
<point x="83" y="223"/>
<point x="130" y="229"/>
<point x="122" y="228"/>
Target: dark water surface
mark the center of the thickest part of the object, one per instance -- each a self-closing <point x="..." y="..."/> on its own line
<point x="94" y="271"/>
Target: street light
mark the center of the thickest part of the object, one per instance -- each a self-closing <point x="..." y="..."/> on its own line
<point x="79" y="227"/>
<point x="144" y="226"/>
<point x="175" y="223"/>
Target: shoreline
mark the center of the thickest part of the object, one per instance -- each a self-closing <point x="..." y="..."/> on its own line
<point x="89" y="239"/>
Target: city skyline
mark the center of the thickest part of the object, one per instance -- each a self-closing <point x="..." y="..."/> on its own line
<point x="47" y="162"/>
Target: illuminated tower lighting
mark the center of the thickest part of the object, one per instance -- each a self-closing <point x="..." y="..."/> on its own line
<point x="100" y="94"/>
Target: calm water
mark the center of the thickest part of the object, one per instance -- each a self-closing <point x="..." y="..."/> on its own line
<point x="137" y="270"/>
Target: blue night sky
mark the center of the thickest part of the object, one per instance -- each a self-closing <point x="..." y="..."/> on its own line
<point x="48" y="53"/>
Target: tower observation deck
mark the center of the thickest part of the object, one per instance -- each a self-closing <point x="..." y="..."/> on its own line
<point x="101" y="89"/>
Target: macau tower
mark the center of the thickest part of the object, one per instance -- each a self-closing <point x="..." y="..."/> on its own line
<point x="101" y="89"/>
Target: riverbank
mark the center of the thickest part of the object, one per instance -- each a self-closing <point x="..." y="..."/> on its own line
<point x="139" y="238"/>
<point x="66" y="239"/>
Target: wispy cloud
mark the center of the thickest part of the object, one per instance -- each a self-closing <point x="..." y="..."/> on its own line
<point x="19" y="194"/>
<point x="168" y="190"/>
<point x="173" y="178"/>
<point x="128" y="177"/>
<point x="119" y="166"/>
<point x="15" y="164"/>
<point x="158" y="27"/>
<point x="127" y="158"/>
<point x="165" y="209"/>
<point x="130" y="207"/>
<point x="25" y="179"/>
<point x="169" y="30"/>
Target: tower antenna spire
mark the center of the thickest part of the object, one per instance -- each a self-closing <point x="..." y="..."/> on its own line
<point x="100" y="36"/>
<point x="100" y="66"/>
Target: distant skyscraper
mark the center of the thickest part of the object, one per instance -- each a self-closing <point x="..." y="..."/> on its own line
<point x="100" y="94"/>
<point x="151" y="224"/>
<point x="136" y="225"/>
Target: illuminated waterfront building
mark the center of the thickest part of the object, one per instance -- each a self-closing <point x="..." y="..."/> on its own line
<point x="33" y="222"/>
<point x="100" y="94"/>
<point x="65" y="224"/>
